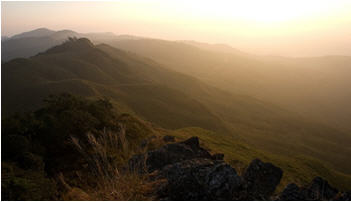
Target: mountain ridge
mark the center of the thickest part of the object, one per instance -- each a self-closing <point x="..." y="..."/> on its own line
<point x="315" y="87"/>
<point x="40" y="32"/>
<point x="146" y="87"/>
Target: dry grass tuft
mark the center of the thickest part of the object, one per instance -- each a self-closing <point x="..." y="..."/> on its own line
<point x="128" y="187"/>
<point x="105" y="154"/>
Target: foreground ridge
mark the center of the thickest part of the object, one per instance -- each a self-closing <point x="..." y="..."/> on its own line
<point x="189" y="172"/>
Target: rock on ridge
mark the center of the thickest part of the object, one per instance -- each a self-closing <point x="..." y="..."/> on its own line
<point x="186" y="171"/>
<point x="199" y="179"/>
<point x="319" y="189"/>
<point x="261" y="179"/>
<point x="168" y="154"/>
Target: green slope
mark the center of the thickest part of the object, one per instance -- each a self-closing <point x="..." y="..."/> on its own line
<point x="316" y="87"/>
<point x="260" y="123"/>
<point x="297" y="169"/>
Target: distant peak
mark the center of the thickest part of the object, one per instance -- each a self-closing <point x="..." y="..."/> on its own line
<point x="42" y="29"/>
<point x="72" y="44"/>
<point x="35" y="33"/>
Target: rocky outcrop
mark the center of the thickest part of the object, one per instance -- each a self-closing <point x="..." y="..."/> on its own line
<point x="168" y="154"/>
<point x="199" y="179"/>
<point x="344" y="196"/>
<point x="291" y="193"/>
<point x="319" y="189"/>
<point x="187" y="171"/>
<point x="261" y="179"/>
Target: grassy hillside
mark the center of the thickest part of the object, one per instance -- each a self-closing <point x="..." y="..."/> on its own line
<point x="260" y="123"/>
<point x="297" y="169"/>
<point x="77" y="149"/>
<point x="169" y="99"/>
<point x="315" y="87"/>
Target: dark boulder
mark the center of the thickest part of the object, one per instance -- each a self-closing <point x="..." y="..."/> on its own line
<point x="185" y="171"/>
<point x="168" y="138"/>
<point x="261" y="179"/>
<point x="344" y="196"/>
<point x="319" y="189"/>
<point x="199" y="179"/>
<point x="168" y="154"/>
<point x="291" y="193"/>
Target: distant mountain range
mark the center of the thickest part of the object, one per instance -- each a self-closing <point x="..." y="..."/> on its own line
<point x="170" y="99"/>
<point x="32" y="42"/>
<point x="40" y="32"/>
<point x="315" y="87"/>
<point x="286" y="106"/>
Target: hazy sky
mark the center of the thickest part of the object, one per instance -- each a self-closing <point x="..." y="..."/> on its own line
<point x="279" y="27"/>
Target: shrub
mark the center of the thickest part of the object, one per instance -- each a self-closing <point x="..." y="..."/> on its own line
<point x="31" y="161"/>
<point x="18" y="184"/>
<point x="14" y="146"/>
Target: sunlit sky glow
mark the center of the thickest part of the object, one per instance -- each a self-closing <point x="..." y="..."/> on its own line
<point x="279" y="27"/>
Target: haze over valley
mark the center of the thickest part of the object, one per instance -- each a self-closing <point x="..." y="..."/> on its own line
<point x="93" y="101"/>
